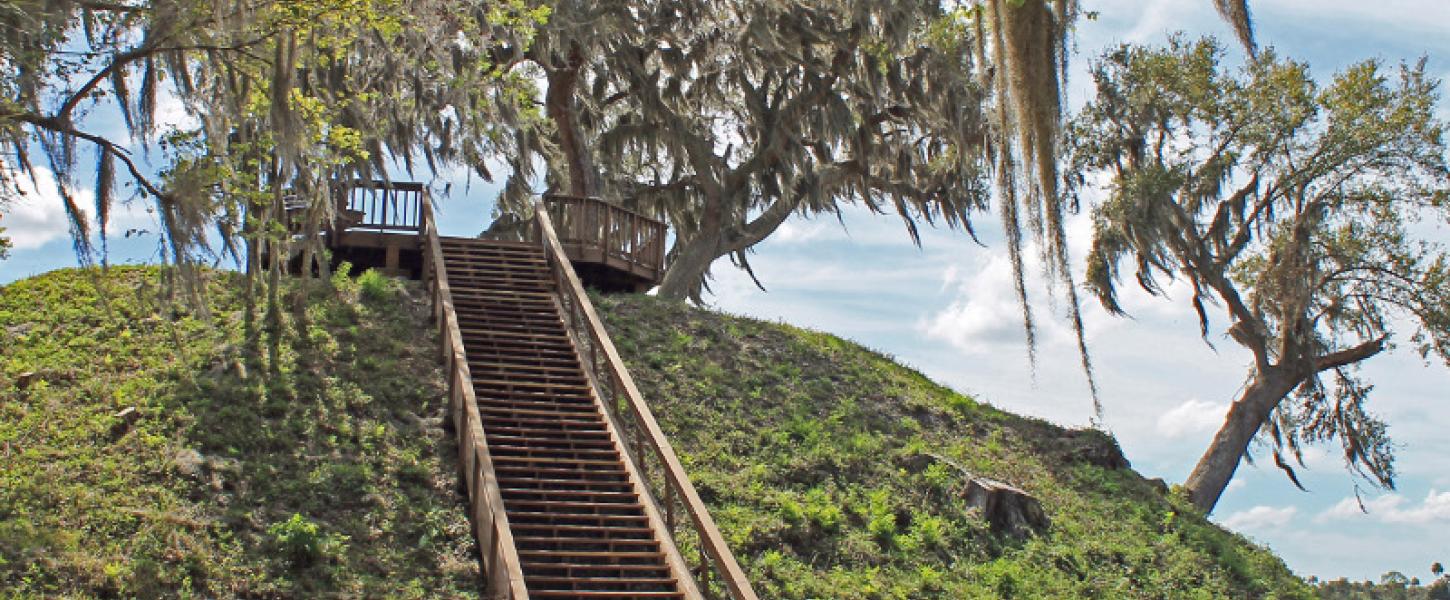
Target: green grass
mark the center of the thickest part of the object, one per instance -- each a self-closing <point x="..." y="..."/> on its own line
<point x="328" y="480"/>
<point x="334" y="478"/>
<point x="806" y="447"/>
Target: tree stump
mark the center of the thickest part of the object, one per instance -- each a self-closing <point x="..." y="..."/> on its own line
<point x="1006" y="508"/>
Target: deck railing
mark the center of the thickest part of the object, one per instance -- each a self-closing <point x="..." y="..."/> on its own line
<point x="381" y="206"/>
<point x="500" y="559"/>
<point x="689" y="523"/>
<point x="616" y="232"/>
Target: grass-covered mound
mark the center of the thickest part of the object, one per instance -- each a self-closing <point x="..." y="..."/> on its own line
<point x="809" y="450"/>
<point x="140" y="456"/>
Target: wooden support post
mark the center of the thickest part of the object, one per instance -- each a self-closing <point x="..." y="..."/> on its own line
<point x="390" y="260"/>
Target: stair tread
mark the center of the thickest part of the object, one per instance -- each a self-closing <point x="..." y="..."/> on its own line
<point x="584" y="528"/>
<point x="530" y="459"/>
<point x="602" y="594"/>
<point x="592" y="553"/>
<point x="525" y="514"/>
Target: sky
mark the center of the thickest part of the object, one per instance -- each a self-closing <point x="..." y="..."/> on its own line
<point x="945" y="309"/>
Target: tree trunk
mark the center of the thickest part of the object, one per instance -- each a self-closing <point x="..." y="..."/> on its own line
<point x="563" y="110"/>
<point x="691" y="258"/>
<point x="688" y="265"/>
<point x="1216" y="467"/>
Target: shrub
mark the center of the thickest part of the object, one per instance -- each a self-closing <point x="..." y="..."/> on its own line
<point x="374" y="286"/>
<point x="297" y="539"/>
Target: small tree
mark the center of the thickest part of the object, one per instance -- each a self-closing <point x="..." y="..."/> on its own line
<point x="1287" y="205"/>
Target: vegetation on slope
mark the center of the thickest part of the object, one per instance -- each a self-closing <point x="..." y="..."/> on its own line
<point x="139" y="458"/>
<point x="328" y="481"/>
<point x="809" y="451"/>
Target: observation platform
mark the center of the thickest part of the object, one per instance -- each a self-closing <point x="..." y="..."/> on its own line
<point x="380" y="225"/>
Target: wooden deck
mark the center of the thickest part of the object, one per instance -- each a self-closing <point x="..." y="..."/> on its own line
<point x="380" y="225"/>
<point x="612" y="248"/>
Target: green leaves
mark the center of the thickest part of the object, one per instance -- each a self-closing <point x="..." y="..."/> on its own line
<point x="1283" y="201"/>
<point x="5" y="243"/>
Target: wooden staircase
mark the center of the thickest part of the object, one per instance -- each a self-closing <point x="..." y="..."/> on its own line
<point x="574" y="491"/>
<point x="576" y="514"/>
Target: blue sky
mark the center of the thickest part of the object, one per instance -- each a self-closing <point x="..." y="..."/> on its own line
<point x="945" y="309"/>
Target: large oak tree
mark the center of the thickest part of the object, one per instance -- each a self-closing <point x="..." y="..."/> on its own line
<point x="1289" y="207"/>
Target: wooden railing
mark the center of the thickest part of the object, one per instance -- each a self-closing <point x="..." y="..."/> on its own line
<point x="381" y="206"/>
<point x="618" y="233"/>
<point x="714" y="567"/>
<point x="500" y="559"/>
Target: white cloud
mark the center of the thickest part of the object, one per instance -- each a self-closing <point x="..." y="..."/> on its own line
<point x="37" y="216"/>
<point x="984" y="314"/>
<point x="1392" y="508"/>
<point x="1260" y="517"/>
<point x="799" y="231"/>
<point x="1192" y="416"/>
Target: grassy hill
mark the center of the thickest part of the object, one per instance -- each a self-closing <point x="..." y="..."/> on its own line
<point x="140" y="456"/>
<point x="808" y="449"/>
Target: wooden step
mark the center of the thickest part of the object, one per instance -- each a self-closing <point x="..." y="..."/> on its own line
<point x="533" y="556"/>
<point x="505" y="470"/>
<point x="576" y="484"/>
<point x="585" y="595"/>
<point x="584" y="530"/>
<point x="506" y="308"/>
<point x="487" y="293"/>
<point x="570" y="403"/>
<point x="539" y="518"/>
<point x="537" y="433"/>
<point x="637" y="581"/>
<point x="555" y="453"/>
<point x="573" y="507"/>
<point x="650" y="543"/>
<point x="584" y="464"/>
<point x="573" y="416"/>
<point x="548" y="495"/>
<point x="493" y="319"/>
<point x="535" y="442"/>
<point x="523" y="369"/>
<point x="506" y="420"/>
<point x="527" y="384"/>
<point x="586" y="568"/>
<point x="495" y="343"/>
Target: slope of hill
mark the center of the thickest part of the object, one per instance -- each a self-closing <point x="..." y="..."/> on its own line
<point x="837" y="473"/>
<point x="141" y="456"/>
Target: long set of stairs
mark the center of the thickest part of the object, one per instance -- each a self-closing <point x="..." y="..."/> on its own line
<point x="575" y="509"/>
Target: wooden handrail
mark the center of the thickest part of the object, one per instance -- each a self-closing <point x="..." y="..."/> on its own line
<point x="609" y="375"/>
<point x="382" y="205"/>
<point x="616" y="231"/>
<point x="500" y="557"/>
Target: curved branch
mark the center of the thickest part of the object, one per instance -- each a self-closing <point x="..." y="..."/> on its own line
<point x="1349" y="356"/>
<point x="62" y="127"/>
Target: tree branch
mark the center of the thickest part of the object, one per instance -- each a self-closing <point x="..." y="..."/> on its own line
<point x="63" y="127"/>
<point x="1349" y="356"/>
